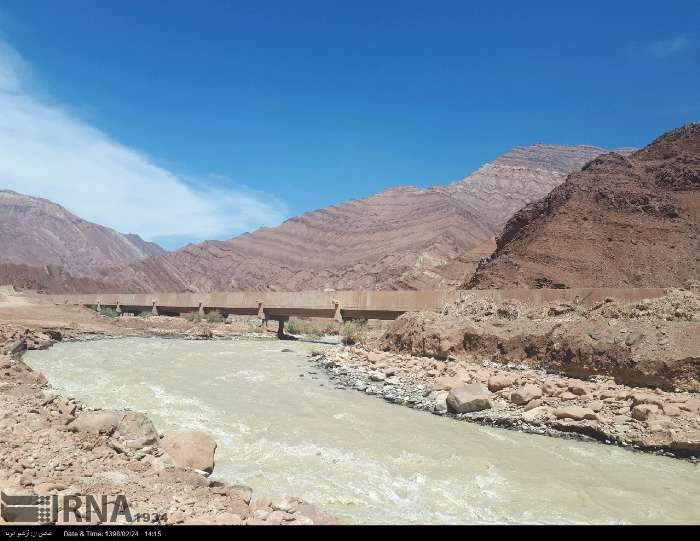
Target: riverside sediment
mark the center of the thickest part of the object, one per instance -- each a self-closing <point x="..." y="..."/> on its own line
<point x="51" y="444"/>
<point x="604" y="412"/>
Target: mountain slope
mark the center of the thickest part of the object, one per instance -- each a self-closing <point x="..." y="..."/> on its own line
<point x="621" y="222"/>
<point x="36" y="232"/>
<point x="402" y="238"/>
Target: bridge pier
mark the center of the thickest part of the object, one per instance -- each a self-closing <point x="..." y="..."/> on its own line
<point x="338" y="316"/>
<point x="118" y="309"/>
<point x="280" y="327"/>
<point x="98" y="306"/>
<point x="154" y="309"/>
<point x="201" y="309"/>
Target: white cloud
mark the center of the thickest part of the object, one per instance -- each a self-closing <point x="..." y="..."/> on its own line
<point x="668" y="47"/>
<point x="47" y="151"/>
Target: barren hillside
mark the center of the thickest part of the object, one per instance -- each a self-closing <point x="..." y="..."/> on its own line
<point x="402" y="238"/>
<point x="622" y="222"/>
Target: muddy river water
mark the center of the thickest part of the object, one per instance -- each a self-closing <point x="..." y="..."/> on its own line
<point x="284" y="429"/>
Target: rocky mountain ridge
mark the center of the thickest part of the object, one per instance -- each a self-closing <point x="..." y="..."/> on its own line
<point x="401" y="238"/>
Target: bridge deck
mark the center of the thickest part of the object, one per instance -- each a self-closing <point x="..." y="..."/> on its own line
<point x="340" y="304"/>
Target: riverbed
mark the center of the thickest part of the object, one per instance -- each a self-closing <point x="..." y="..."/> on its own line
<point x="284" y="429"/>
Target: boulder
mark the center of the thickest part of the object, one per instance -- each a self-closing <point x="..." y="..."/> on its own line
<point x="550" y="388"/>
<point x="441" y="400"/>
<point x="576" y="413"/>
<point x="646" y="398"/>
<point x="133" y="428"/>
<point x="468" y="398"/>
<point x="532" y="404"/>
<point x="526" y="393"/>
<point x="446" y="383"/>
<point x="377" y="376"/>
<point x="500" y="381"/>
<point x="579" y="389"/>
<point x="191" y="450"/>
<point x="644" y="412"/>
<point x="97" y="422"/>
<point x="534" y="414"/>
<point x="688" y="440"/>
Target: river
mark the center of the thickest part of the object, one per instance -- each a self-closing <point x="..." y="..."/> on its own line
<point x="284" y="429"/>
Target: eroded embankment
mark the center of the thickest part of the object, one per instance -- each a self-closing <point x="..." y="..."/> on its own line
<point x="55" y="445"/>
<point x="653" y="343"/>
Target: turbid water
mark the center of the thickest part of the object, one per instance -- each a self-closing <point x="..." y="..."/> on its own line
<point x="357" y="456"/>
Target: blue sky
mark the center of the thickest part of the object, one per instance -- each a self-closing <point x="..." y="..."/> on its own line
<point x="182" y="121"/>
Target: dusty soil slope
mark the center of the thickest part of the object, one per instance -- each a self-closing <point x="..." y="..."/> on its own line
<point x="620" y="222"/>
<point x="51" y="279"/>
<point x="402" y="238"/>
<point x="37" y="232"/>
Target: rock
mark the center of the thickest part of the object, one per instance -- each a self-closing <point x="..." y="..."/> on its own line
<point x="579" y="389"/>
<point x="133" y="428"/>
<point x="576" y="413"/>
<point x="688" y="440"/>
<point x="535" y="413"/>
<point x="446" y="383"/>
<point x="97" y="422"/>
<point x="596" y="405"/>
<point x="567" y="396"/>
<point x="300" y="520"/>
<point x="377" y="376"/>
<point x="526" y="393"/>
<point x="500" y="381"/>
<point x="375" y="357"/>
<point x="633" y="339"/>
<point x="550" y="388"/>
<point x="228" y="519"/>
<point x="193" y="450"/>
<point x="533" y="404"/>
<point x="467" y="398"/>
<point x="671" y="410"/>
<point x="276" y="517"/>
<point x="643" y="412"/>
<point x="441" y="400"/>
<point x="646" y="398"/>
<point x="136" y="430"/>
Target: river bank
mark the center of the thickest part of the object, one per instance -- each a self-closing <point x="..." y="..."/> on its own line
<point x="50" y="444"/>
<point x="526" y="400"/>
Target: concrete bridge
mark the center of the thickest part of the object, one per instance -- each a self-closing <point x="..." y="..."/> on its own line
<point x="339" y="305"/>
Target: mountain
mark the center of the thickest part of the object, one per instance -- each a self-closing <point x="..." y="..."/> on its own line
<point x="402" y="238"/>
<point x="621" y="222"/>
<point x="51" y="279"/>
<point x="36" y="232"/>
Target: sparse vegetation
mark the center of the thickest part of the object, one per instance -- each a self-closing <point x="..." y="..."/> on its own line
<point x="311" y="328"/>
<point x="353" y="332"/>
<point x="109" y="312"/>
<point x="146" y="313"/>
<point x="212" y="317"/>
